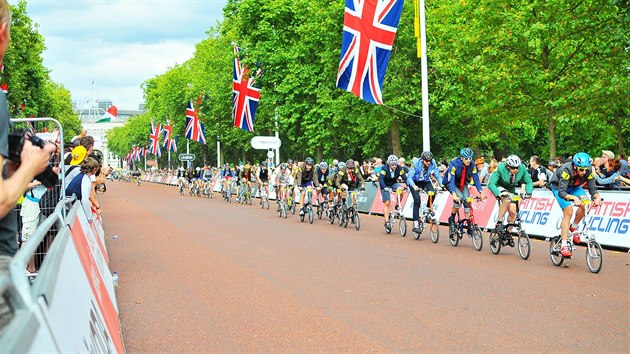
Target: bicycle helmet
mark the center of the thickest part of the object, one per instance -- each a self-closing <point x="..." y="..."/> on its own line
<point x="466" y="153"/>
<point x="392" y="160"/>
<point x="247" y="167"/>
<point x="289" y="161"/>
<point x="263" y="164"/>
<point x="283" y="166"/>
<point x="198" y="168"/>
<point x="513" y="161"/>
<point x="323" y="165"/>
<point x="309" y="161"/>
<point x="350" y="164"/>
<point x="581" y="159"/>
<point x="335" y="162"/>
<point x="427" y="156"/>
<point x="342" y="165"/>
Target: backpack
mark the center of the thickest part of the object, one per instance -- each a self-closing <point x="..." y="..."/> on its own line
<point x="52" y="196"/>
<point x="74" y="187"/>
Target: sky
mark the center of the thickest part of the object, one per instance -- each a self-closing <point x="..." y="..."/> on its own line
<point x="118" y="44"/>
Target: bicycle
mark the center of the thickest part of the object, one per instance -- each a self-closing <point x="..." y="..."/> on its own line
<point x="245" y="196"/>
<point x="309" y="205"/>
<point x="427" y="216"/>
<point x="283" y="208"/>
<point x="321" y="206"/>
<point x="457" y="229"/>
<point x="227" y="192"/>
<point x="350" y="213"/>
<point x="501" y="236"/>
<point x="290" y="201"/>
<point x="396" y="215"/>
<point x="207" y="191"/>
<point x="181" y="188"/>
<point x="334" y="210"/>
<point x="264" y="198"/>
<point x="594" y="255"/>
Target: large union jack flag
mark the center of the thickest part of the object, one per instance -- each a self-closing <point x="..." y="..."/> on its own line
<point x="245" y="96"/>
<point x="369" y="29"/>
<point x="172" y="145"/>
<point x="168" y="133"/>
<point x="194" y="127"/>
<point x="154" y="137"/>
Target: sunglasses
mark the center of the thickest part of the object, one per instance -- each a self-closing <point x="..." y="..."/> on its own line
<point x="467" y="158"/>
<point x="583" y="169"/>
<point x="512" y="168"/>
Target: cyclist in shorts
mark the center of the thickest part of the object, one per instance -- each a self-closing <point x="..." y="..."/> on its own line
<point x="283" y="179"/>
<point x="263" y="179"/>
<point x="305" y="177"/>
<point x="181" y="177"/>
<point x="349" y="179"/>
<point x="503" y="182"/>
<point x="388" y="180"/>
<point x="566" y="185"/>
<point x="330" y="180"/>
<point x="461" y="171"/>
<point x="226" y="177"/>
<point x="420" y="176"/>
<point x="321" y="180"/>
<point x="206" y="176"/>
<point x="246" y="176"/>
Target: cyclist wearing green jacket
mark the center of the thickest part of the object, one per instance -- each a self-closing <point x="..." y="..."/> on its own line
<point x="509" y="175"/>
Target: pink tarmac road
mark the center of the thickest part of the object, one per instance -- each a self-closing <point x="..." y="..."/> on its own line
<point x="201" y="275"/>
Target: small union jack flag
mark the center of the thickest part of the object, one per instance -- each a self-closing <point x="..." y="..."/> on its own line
<point x="154" y="137"/>
<point x="194" y="127"/>
<point x="168" y="133"/>
<point x="369" y="30"/>
<point x="245" y="96"/>
<point x="172" y="145"/>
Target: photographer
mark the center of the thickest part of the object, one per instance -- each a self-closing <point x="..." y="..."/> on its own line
<point x="16" y="175"/>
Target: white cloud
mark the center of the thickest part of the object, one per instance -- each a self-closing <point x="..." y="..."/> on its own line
<point x="119" y="43"/>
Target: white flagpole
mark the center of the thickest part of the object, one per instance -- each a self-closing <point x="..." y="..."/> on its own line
<point x="426" y="142"/>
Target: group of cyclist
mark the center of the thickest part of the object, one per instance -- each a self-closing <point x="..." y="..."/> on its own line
<point x="330" y="183"/>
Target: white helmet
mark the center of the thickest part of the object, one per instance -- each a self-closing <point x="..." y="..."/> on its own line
<point x="513" y="161"/>
<point x="342" y="165"/>
<point x="335" y="162"/>
<point x="392" y="160"/>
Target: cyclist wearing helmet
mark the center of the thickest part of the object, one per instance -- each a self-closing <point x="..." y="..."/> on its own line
<point x="246" y="176"/>
<point x="263" y="178"/>
<point x="566" y="185"/>
<point x="349" y="179"/>
<point x="292" y="167"/>
<point x="388" y="180"/>
<point x="503" y="182"/>
<point x="421" y="176"/>
<point x="226" y="175"/>
<point x="332" y="177"/>
<point x="305" y="177"/>
<point x="335" y="166"/>
<point x="460" y="172"/>
<point x="321" y="180"/>
<point x="283" y="179"/>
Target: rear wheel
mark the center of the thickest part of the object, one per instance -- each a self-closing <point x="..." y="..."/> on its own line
<point x="356" y="220"/>
<point x="402" y="225"/>
<point x="554" y="251"/>
<point x="453" y="234"/>
<point x="495" y="241"/>
<point x="524" y="248"/>
<point x="417" y="233"/>
<point x="331" y="215"/>
<point x="477" y="238"/>
<point x="434" y="228"/>
<point x="594" y="257"/>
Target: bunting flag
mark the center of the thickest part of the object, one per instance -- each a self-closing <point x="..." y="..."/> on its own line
<point x="154" y="137"/>
<point x="245" y="96"/>
<point x="194" y="127"/>
<point x="369" y="30"/>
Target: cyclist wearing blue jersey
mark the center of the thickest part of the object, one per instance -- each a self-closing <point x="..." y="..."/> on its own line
<point x="388" y="181"/>
<point x="460" y="173"/>
<point x="566" y="185"/>
<point x="420" y="176"/>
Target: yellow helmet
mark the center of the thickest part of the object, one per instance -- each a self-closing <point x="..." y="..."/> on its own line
<point x="247" y="167"/>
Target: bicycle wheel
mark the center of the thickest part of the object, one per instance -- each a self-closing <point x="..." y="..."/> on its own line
<point x="285" y="211"/>
<point x="434" y="229"/>
<point x="331" y="215"/>
<point x="310" y="214"/>
<point x="495" y="241"/>
<point x="267" y="202"/>
<point x="594" y="256"/>
<point x="356" y="220"/>
<point x="453" y="235"/>
<point x="554" y="251"/>
<point x="320" y="211"/>
<point x="279" y="210"/>
<point x="418" y="233"/>
<point x="341" y="217"/>
<point x="524" y="248"/>
<point x="477" y="238"/>
<point x="402" y="226"/>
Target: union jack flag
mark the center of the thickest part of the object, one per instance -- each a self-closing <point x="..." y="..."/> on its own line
<point x="245" y="96"/>
<point x="194" y="127"/>
<point x="369" y="29"/>
<point x="168" y="133"/>
<point x="154" y="137"/>
<point x="172" y="145"/>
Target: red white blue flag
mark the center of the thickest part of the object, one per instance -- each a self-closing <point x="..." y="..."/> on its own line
<point x="154" y="138"/>
<point x="172" y="145"/>
<point x="245" y="96"/>
<point x="369" y="30"/>
<point x="168" y="133"/>
<point x="194" y="127"/>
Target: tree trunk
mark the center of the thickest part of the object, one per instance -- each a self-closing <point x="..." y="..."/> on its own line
<point x="320" y="153"/>
<point x="552" y="133"/>
<point x="618" y="129"/>
<point x="394" y="138"/>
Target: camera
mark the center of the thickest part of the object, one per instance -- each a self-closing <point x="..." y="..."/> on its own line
<point x="16" y="142"/>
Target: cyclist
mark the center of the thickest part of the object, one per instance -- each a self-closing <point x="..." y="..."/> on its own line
<point x="566" y="185"/>
<point x="181" y="178"/>
<point x="263" y="179"/>
<point x="421" y="176"/>
<point x="283" y="179"/>
<point x="388" y="180"/>
<point x="349" y="179"/>
<point x="321" y="184"/>
<point x="460" y="173"/>
<point x="503" y="182"/>
<point x="305" y="177"/>
<point x="332" y="177"/>
<point x="206" y="176"/>
<point x="246" y="176"/>
<point x="226" y="176"/>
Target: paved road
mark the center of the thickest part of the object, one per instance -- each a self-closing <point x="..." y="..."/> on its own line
<point x="199" y="275"/>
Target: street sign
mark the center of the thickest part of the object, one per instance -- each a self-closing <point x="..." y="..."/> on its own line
<point x="270" y="154"/>
<point x="265" y="142"/>
<point x="186" y="157"/>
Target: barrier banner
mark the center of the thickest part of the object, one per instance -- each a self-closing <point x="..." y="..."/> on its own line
<point x="366" y="200"/>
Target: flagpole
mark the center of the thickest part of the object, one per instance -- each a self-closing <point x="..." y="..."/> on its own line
<point x="218" y="152"/>
<point x="277" y="136"/>
<point x="145" y="159"/>
<point x="169" y="158"/>
<point x="426" y="142"/>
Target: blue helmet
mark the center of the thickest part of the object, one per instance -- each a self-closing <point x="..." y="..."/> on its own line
<point x="466" y="153"/>
<point x="581" y="159"/>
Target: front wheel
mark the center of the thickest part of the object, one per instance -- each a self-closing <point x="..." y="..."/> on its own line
<point x="453" y="234"/>
<point x="356" y="220"/>
<point x="310" y="215"/>
<point x="434" y="228"/>
<point x="331" y="215"/>
<point x="417" y="233"/>
<point x="477" y="238"/>
<point x="524" y="248"/>
<point x="594" y="256"/>
<point x="402" y="226"/>
<point x="554" y="251"/>
<point x="495" y="241"/>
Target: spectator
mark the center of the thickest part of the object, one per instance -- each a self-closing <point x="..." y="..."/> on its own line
<point x="76" y="140"/>
<point x="623" y="170"/>
<point x="610" y="178"/>
<point x="492" y="167"/>
<point x="81" y="186"/>
<point x="78" y="155"/>
<point x="366" y="169"/>
<point x="553" y="165"/>
<point x="540" y="175"/>
<point x="482" y="168"/>
<point x="15" y="178"/>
